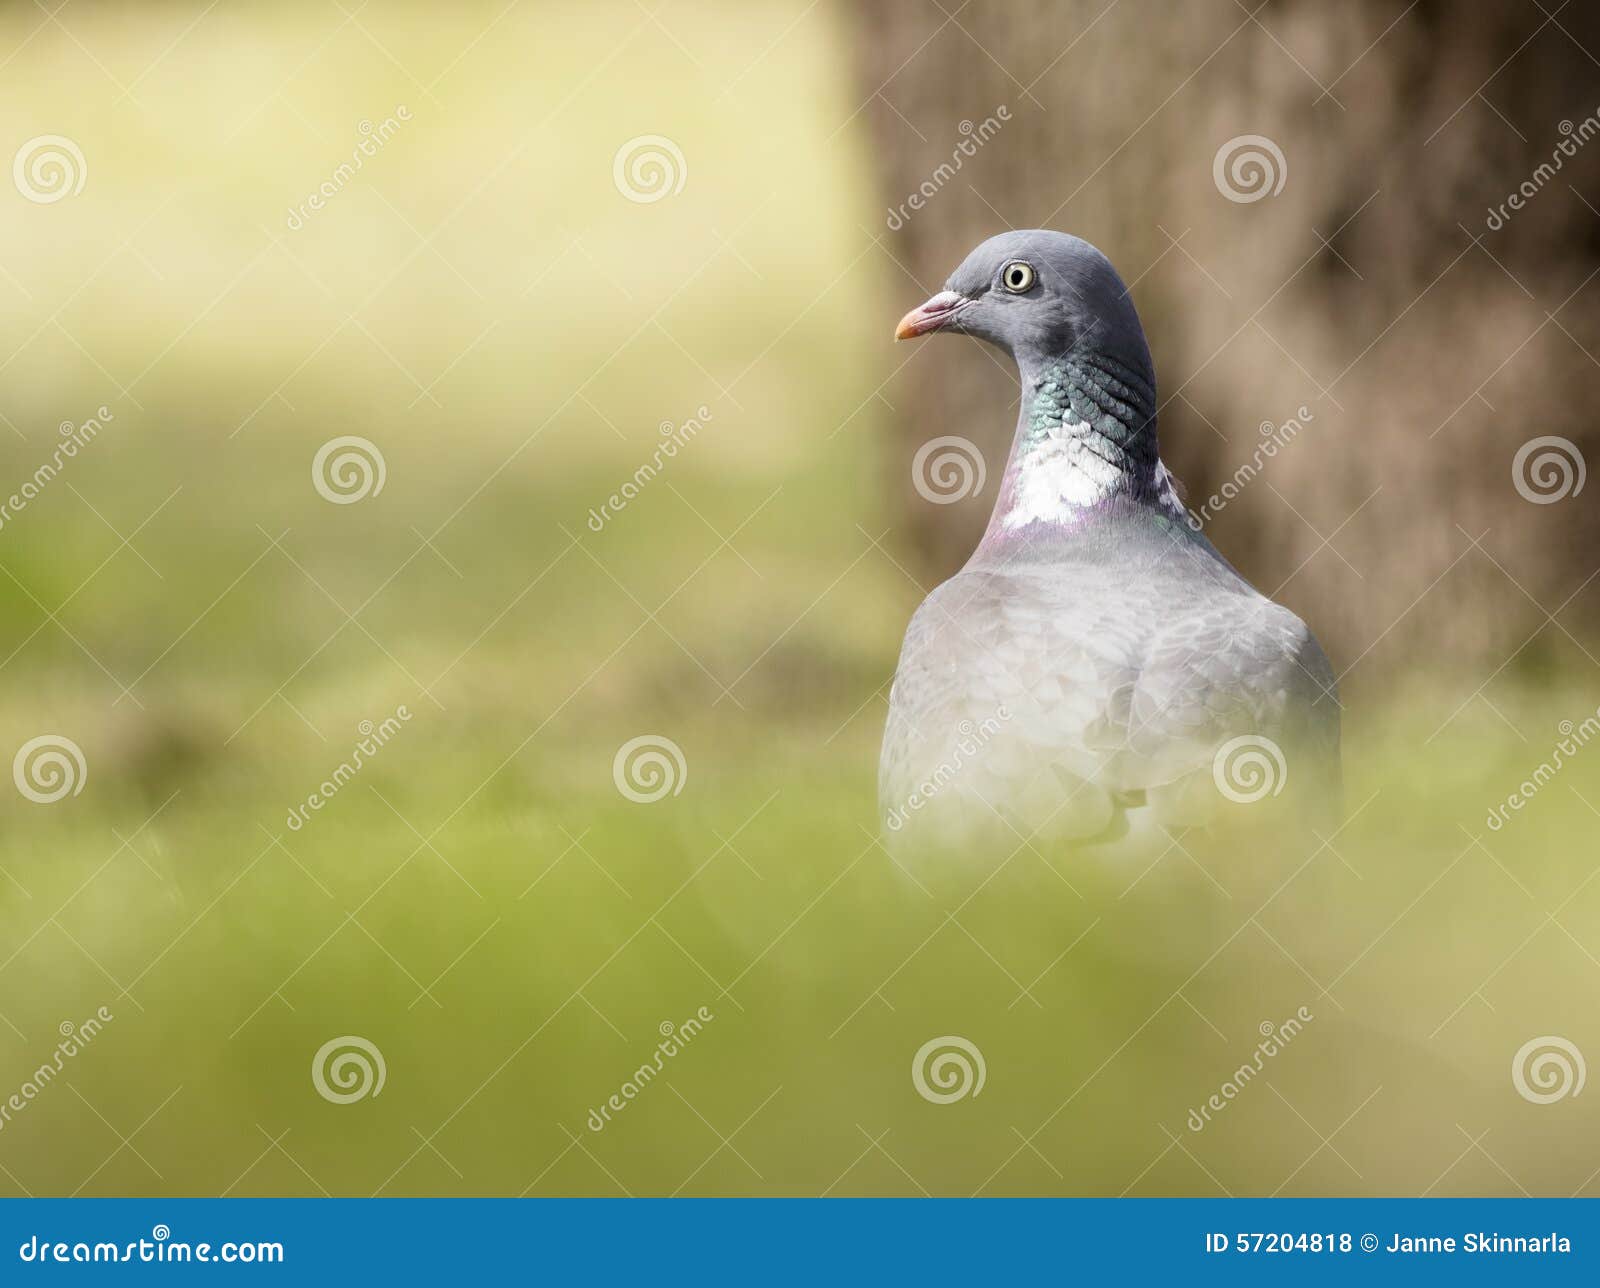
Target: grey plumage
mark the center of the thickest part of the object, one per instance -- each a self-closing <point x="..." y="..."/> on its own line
<point x="1090" y="671"/>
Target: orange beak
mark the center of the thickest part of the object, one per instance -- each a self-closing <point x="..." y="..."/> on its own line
<point x="930" y="316"/>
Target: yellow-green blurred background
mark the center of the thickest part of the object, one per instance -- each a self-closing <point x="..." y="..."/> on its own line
<point x="480" y="902"/>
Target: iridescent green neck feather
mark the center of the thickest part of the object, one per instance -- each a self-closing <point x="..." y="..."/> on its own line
<point x="1086" y="435"/>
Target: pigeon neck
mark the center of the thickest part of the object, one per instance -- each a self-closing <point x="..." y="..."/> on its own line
<point x="1086" y="435"/>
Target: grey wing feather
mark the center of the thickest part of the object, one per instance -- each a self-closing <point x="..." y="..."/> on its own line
<point x="1055" y="701"/>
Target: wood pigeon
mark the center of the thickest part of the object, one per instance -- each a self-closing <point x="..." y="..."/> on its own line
<point x="1097" y="673"/>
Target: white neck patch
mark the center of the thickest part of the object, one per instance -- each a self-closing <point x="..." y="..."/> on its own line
<point x="1061" y="475"/>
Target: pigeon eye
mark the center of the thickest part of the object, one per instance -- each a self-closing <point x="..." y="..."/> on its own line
<point x="1017" y="277"/>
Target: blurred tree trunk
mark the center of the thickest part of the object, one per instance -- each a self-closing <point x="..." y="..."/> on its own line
<point x="1427" y="340"/>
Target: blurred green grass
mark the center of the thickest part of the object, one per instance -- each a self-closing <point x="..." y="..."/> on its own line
<point x="480" y="902"/>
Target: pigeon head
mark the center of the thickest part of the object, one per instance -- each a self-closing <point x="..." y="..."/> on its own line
<point x="1038" y="295"/>
<point x="1086" y="418"/>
